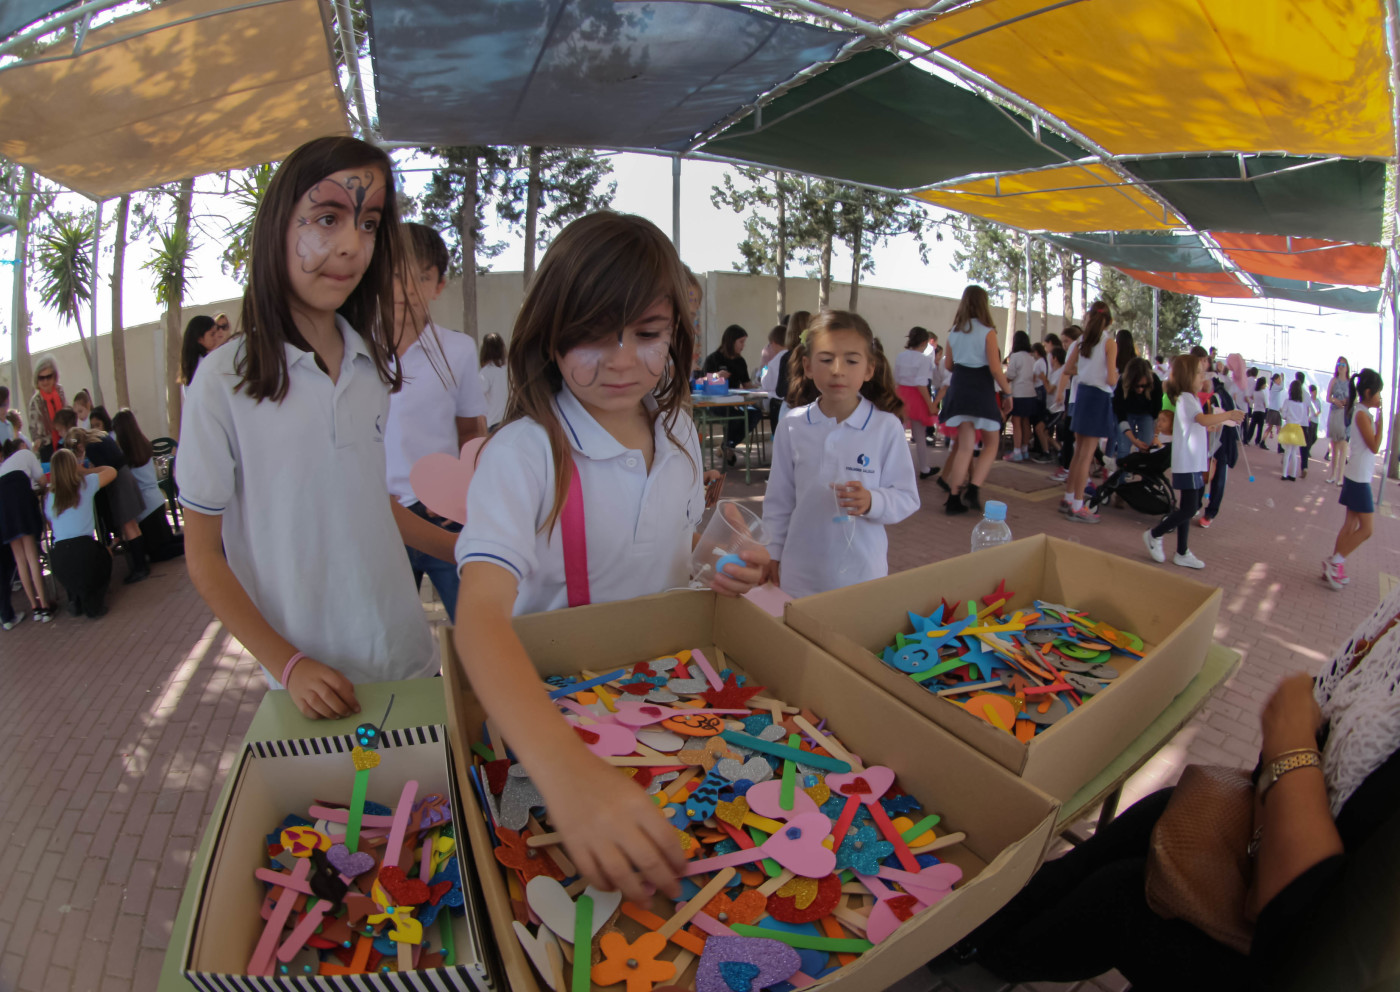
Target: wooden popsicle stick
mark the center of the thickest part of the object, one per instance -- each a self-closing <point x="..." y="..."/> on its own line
<point x="764" y="702"/>
<point x="675" y="789"/>
<point x="776" y="882"/>
<point x="405" y="956"/>
<point x="638" y="761"/>
<point x="544" y="840"/>
<point x="832" y="745"/>
<point x="850" y="919"/>
<point x="958" y="690"/>
<point x="555" y="956"/>
<point x="578" y="887"/>
<point x="947" y="840"/>
<point x="651" y="752"/>
<point x="560" y="858"/>
<point x="681" y="962"/>
<point x="701" y="899"/>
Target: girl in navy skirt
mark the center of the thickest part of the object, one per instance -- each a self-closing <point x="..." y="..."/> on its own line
<point x="974" y="359"/>
<point x="1094" y="359"/>
<point x="21" y="523"/>
<point x="1190" y="456"/>
<point x="1364" y="395"/>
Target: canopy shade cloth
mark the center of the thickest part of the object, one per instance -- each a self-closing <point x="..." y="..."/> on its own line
<point x="1224" y="284"/>
<point x="16" y="14"/>
<point x="1316" y="294"/>
<point x="1064" y="200"/>
<point x="877" y="120"/>
<point x="577" y="72"/>
<point x="1307" y="259"/>
<point x="1308" y="77"/>
<point x="1154" y="252"/>
<point x="190" y="87"/>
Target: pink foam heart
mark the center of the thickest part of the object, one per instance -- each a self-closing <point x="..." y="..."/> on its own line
<point x="606" y="739"/>
<point x="765" y="799"/>
<point x="929" y="885"/>
<point x="440" y="481"/>
<point x="888" y="915"/>
<point x="798" y="846"/>
<point x="868" y="785"/>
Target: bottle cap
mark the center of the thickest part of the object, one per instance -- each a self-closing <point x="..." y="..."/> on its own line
<point x="994" y="510"/>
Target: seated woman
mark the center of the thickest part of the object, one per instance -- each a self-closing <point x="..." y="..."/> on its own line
<point x="728" y="360"/>
<point x="79" y="561"/>
<point x="161" y="543"/>
<point x="123" y="501"/>
<point x="1328" y="781"/>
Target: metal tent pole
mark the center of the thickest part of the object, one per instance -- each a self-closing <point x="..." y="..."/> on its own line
<point x="96" y="352"/>
<point x="1030" y="295"/>
<point x="676" y="203"/>
<point x="1156" y="318"/>
<point x="345" y="23"/>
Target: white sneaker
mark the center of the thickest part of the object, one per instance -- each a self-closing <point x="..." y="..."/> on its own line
<point x="1154" y="546"/>
<point x="1330" y="576"/>
<point x="1059" y="475"/>
<point x="11" y="625"/>
<point x="1188" y="560"/>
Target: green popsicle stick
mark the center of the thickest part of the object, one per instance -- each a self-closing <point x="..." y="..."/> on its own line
<point x="921" y="828"/>
<point x="357" y="809"/>
<point x="485" y="752"/>
<point x="785" y="797"/>
<point x="806" y="942"/>
<point x="449" y="947"/>
<point x="583" y="940"/>
<point x="939" y="669"/>
<point x="770" y="867"/>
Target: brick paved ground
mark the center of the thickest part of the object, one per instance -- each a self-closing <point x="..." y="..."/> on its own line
<point x="119" y="731"/>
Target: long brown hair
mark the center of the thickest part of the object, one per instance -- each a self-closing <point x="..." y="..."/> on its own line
<point x="974" y="306"/>
<point x="66" y="479"/>
<point x="600" y="274"/>
<point x="1094" y="325"/>
<point x="1183" y="377"/>
<point x="267" y="315"/>
<point x="880" y="390"/>
<point x="134" y="444"/>
<point x="796" y="327"/>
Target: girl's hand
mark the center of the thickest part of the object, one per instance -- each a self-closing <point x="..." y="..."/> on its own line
<point x="1291" y="717"/>
<point x="321" y="692"/>
<point x="854" y="498"/>
<point x="735" y="581"/>
<point x="1236" y="416"/>
<point x="613" y="831"/>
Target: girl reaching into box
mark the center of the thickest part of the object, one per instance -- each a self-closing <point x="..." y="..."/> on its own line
<point x="589" y="492"/>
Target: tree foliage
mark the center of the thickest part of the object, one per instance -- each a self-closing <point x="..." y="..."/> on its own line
<point x="246" y="189"/>
<point x="466" y="182"/>
<point x="571" y="182"/>
<point x="1178" y="326"/>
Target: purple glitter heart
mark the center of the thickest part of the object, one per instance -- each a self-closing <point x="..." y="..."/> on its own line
<point x="772" y="960"/>
<point x="349" y="865"/>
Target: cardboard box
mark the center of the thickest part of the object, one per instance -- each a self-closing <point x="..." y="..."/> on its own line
<point x="1008" y="823"/>
<point x="274" y="778"/>
<point x="1174" y="615"/>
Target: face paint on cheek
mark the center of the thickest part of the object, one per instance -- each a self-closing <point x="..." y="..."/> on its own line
<point x="583" y="363"/>
<point x="313" y="247"/>
<point x="655" y="355"/>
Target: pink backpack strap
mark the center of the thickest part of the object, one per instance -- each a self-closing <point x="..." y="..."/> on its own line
<point x="575" y="541"/>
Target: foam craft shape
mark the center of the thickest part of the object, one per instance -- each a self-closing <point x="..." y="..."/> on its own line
<point x="440" y="481"/>
<point x="661" y="740"/>
<point x="756" y="769"/>
<point x="557" y="911"/>
<point x="928" y="885"/>
<point x="606" y="739"/>
<point x="763" y="799"/>
<point x="888" y="915"/>
<point x="632" y="714"/>
<point x="768" y="963"/>
<point x="349" y="864"/>
<point x="797" y="847"/>
<point x="867" y="785"/>
<point x="537" y="947"/>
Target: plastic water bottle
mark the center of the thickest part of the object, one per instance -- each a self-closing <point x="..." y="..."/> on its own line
<point x="991" y="530"/>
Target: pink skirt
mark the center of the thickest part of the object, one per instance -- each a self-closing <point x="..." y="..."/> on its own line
<point x="916" y="405"/>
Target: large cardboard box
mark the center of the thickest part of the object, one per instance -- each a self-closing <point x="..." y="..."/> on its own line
<point x="1174" y="615"/>
<point x="1008" y="823"/>
<point x="274" y="778"/>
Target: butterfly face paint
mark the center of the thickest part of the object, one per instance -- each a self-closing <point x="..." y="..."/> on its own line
<point x="625" y="368"/>
<point x="331" y="238"/>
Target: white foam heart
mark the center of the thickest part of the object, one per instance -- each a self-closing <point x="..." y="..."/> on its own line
<point x="557" y="911"/>
<point x="661" y="740"/>
<point x="537" y="947"/>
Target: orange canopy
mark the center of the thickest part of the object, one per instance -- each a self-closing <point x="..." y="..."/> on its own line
<point x="1304" y="259"/>
<point x="1197" y="284"/>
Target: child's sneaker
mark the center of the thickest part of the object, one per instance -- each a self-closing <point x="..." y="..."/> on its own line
<point x="1066" y="507"/>
<point x="1342" y="573"/>
<point x="1059" y="475"/>
<point x="43" y="616"/>
<point x="1084" y="515"/>
<point x="1154" y="546"/>
<point x="1205" y="522"/>
<point x="1188" y="560"/>
<point x="1329" y="575"/>
<point x="12" y="624"/>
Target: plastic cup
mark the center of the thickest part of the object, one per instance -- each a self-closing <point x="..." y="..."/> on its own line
<point x="732" y="535"/>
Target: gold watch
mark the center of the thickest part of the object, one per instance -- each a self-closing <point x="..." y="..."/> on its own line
<point x="1287" y="762"/>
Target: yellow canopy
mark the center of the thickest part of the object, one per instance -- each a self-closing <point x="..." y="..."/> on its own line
<point x="1307" y="77"/>
<point x="181" y="90"/>
<point x="1065" y="199"/>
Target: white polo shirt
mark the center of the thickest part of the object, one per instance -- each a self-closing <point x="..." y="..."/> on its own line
<point x="913" y="368"/>
<point x="307" y="527"/>
<point x="423" y="414"/>
<point x="638" y="525"/>
<point x="810" y="452"/>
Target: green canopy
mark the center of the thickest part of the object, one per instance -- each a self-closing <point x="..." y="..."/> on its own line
<point x="1320" y="294"/>
<point x="875" y="120"/>
<point x="1337" y="199"/>
<point x="1144" y="250"/>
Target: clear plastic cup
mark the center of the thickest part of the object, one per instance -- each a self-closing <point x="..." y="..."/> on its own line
<point x="732" y="535"/>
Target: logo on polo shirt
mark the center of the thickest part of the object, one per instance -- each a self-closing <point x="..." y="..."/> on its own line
<point x="862" y="466"/>
<point x="863" y="460"/>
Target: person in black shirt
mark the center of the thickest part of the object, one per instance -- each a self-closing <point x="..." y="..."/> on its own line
<point x="728" y="360"/>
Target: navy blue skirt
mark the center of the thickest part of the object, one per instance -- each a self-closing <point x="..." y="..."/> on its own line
<point x="1356" y="497"/>
<point x="1093" y="413"/>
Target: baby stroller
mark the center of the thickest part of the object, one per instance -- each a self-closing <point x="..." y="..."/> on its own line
<point x="1142" y="481"/>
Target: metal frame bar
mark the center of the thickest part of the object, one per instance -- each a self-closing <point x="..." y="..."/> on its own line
<point x="58" y="21"/>
<point x="350" y="54"/>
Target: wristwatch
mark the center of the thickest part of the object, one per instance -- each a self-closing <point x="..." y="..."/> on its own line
<point x="1286" y="762"/>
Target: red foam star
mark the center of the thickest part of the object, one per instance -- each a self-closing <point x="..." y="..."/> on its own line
<point x="1000" y="592"/>
<point x="733" y="696"/>
<point x="949" y="611"/>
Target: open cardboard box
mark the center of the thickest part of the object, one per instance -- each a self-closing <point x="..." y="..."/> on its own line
<point x="1174" y="616"/>
<point x="1008" y="823"/>
<point x="274" y="778"/>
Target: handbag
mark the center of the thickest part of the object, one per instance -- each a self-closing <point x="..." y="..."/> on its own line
<point x="1198" y="864"/>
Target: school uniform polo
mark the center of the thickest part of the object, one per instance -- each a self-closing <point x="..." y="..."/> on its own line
<point x="638" y="524"/>
<point x="441" y="382"/>
<point x="811" y="451"/>
<point x="307" y="527"/>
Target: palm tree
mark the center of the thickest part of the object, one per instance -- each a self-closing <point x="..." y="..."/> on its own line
<point x="118" y="326"/>
<point x="67" y="279"/>
<point x="170" y="267"/>
<point x="247" y="190"/>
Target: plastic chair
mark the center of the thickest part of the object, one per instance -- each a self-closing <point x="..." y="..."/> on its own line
<point x="165" y="449"/>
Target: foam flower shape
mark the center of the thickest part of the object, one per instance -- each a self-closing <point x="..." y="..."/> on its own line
<point x="747" y="909"/>
<point x="513" y="852"/>
<point x="863" y="849"/>
<point x="633" y="963"/>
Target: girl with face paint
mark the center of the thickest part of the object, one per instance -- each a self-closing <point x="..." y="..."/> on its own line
<point x="598" y="361"/>
<point x="290" y="530"/>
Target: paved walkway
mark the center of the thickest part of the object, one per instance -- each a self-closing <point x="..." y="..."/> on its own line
<point x="119" y="732"/>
